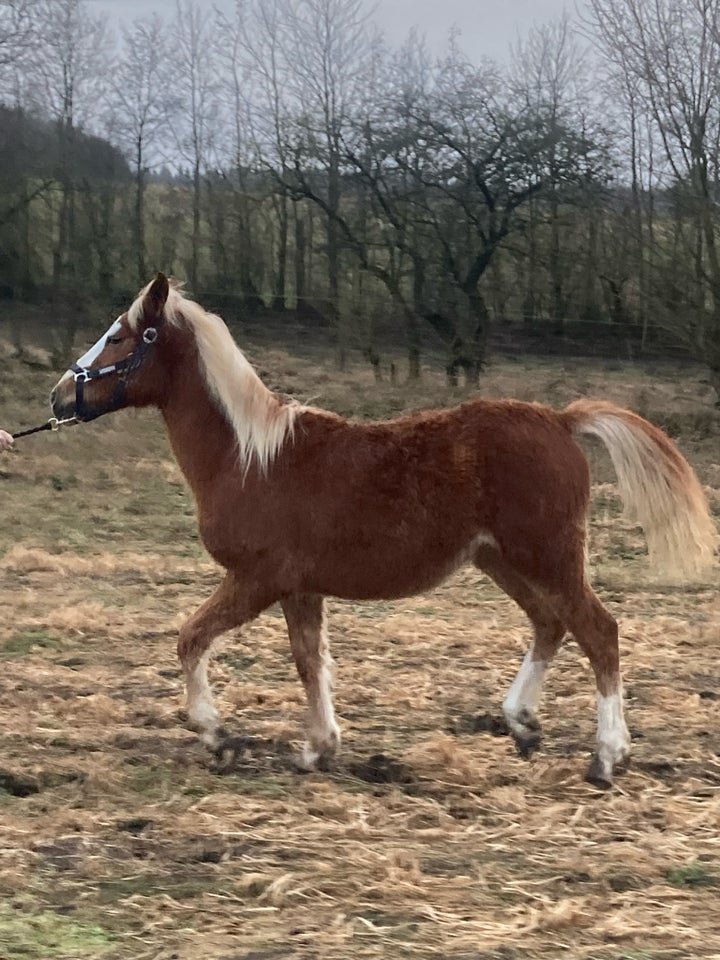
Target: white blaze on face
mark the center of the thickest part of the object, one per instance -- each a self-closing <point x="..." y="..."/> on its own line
<point x="87" y="359"/>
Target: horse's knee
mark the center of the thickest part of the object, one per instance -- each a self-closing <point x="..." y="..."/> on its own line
<point x="549" y="634"/>
<point x="188" y="648"/>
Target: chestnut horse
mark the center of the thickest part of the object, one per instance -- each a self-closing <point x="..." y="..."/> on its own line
<point x="297" y="504"/>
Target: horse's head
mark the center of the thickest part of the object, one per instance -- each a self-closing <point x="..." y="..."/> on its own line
<point x="122" y="369"/>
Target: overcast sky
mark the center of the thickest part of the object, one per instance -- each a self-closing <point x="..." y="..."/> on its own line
<point x="487" y="27"/>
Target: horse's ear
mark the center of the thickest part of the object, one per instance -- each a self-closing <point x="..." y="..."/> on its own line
<point x="155" y="298"/>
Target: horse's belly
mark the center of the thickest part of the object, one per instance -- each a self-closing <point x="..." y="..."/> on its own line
<point x="377" y="575"/>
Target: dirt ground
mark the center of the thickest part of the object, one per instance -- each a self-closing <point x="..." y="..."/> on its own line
<point x="120" y="837"/>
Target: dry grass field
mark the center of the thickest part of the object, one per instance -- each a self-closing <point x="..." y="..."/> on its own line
<point x="430" y="838"/>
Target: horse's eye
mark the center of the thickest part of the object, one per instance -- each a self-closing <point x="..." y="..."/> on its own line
<point x="114" y="340"/>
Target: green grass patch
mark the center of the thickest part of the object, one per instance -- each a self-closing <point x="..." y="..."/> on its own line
<point x="62" y="482"/>
<point x="20" y="644"/>
<point x="26" y="933"/>
<point x="249" y="783"/>
<point x="692" y="875"/>
<point x="369" y="610"/>
<point x="152" y="885"/>
<point x="236" y="661"/>
<point x="625" y="554"/>
<point x="153" y="781"/>
<point x="196" y="791"/>
<point x="256" y="786"/>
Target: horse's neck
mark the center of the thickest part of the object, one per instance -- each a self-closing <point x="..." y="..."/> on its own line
<point x="200" y="435"/>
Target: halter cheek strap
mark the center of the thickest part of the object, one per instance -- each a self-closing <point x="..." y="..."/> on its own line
<point x="124" y="368"/>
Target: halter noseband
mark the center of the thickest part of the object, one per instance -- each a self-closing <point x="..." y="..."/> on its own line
<point x="125" y="368"/>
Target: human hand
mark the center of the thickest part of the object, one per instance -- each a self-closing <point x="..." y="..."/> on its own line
<point x="6" y="440"/>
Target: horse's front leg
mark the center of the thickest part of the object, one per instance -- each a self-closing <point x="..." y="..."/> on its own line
<point x="305" y="618"/>
<point x="230" y="606"/>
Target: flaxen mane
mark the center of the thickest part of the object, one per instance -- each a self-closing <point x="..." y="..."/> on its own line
<point x="261" y="424"/>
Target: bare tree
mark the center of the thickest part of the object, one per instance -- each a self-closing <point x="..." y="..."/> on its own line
<point x="256" y="71"/>
<point x="142" y="106"/>
<point x="477" y="169"/>
<point x="546" y="74"/>
<point x="669" y="52"/>
<point x="17" y="30"/>
<point x="69" y="79"/>
<point x="325" y="46"/>
<point x="374" y="224"/>
<point x="195" y="126"/>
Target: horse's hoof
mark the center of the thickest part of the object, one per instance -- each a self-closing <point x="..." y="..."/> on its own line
<point x="527" y="744"/>
<point x="528" y="720"/>
<point x="489" y="723"/>
<point x="301" y="763"/>
<point x="213" y="739"/>
<point x="310" y="759"/>
<point x="598" y="774"/>
<point x="526" y="732"/>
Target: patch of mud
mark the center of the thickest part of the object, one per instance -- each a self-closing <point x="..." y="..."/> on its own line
<point x="380" y="768"/>
<point x="250" y="755"/>
<point x="26" y="785"/>
<point x="494" y="724"/>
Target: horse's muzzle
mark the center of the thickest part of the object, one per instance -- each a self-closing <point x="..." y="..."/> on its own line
<point x="62" y="399"/>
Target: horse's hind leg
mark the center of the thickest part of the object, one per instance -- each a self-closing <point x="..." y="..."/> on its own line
<point x="521" y="703"/>
<point x="230" y="606"/>
<point x="309" y="643"/>
<point x="596" y="633"/>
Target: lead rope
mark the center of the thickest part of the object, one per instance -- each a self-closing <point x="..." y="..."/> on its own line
<point x="52" y="424"/>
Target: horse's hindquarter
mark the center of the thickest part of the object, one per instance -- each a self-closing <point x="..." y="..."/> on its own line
<point x="375" y="510"/>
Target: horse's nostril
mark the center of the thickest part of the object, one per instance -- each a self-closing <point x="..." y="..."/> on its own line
<point x="52" y="397"/>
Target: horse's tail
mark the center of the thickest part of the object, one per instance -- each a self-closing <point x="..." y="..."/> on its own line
<point x="658" y="487"/>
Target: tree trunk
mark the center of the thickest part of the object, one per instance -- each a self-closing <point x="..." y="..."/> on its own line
<point x="60" y="249"/>
<point x="480" y="336"/>
<point x="530" y="299"/>
<point x="638" y="222"/>
<point x="195" y="253"/>
<point x="300" y="242"/>
<point x="650" y="258"/>
<point x="283" y="223"/>
<point x="216" y="209"/>
<point x="412" y="337"/>
<point x="25" y="272"/>
<point x="557" y="307"/>
<point x="105" y="271"/>
<point x="589" y="301"/>
<point x="140" y="216"/>
<point x="412" y="327"/>
<point x="333" y="260"/>
<point x="714" y="365"/>
<point x="242" y="252"/>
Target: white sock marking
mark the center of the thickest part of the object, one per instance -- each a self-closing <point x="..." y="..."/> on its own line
<point x="322" y="728"/>
<point x="524" y="695"/>
<point x="613" y="737"/>
<point x="323" y="733"/>
<point x="199" y="699"/>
